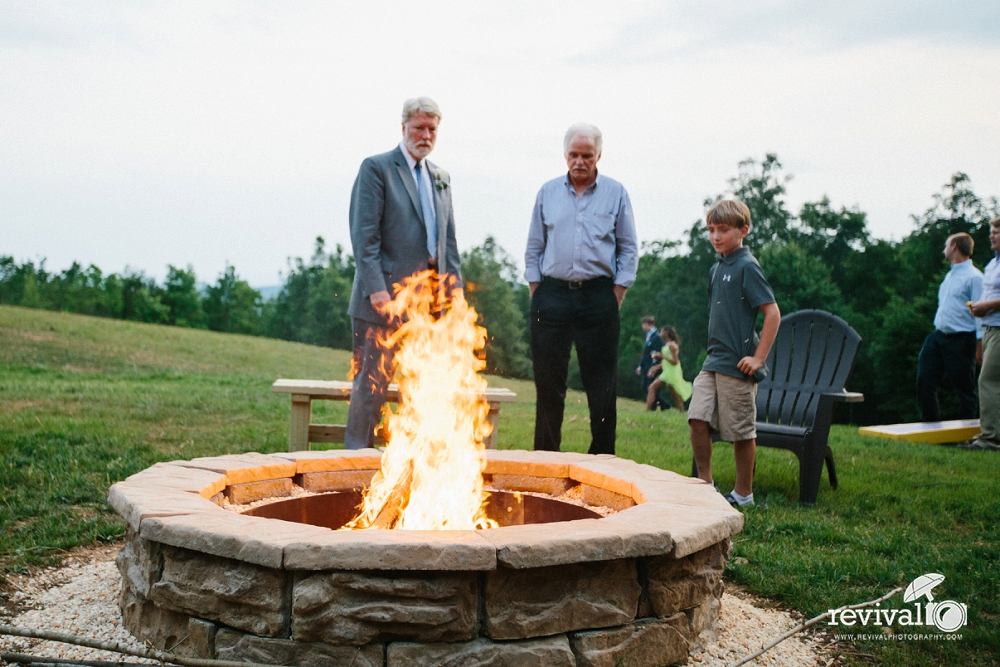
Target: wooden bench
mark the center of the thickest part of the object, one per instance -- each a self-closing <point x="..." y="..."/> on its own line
<point x="304" y="392"/>
<point x="810" y="362"/>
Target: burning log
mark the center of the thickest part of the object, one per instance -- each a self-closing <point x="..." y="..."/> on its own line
<point x="394" y="504"/>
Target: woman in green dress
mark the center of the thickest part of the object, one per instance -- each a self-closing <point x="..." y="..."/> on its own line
<point x="670" y="373"/>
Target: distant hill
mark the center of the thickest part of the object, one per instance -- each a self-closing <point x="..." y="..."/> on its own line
<point x="269" y="292"/>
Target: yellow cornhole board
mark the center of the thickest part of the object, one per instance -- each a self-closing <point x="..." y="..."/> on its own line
<point x="956" y="430"/>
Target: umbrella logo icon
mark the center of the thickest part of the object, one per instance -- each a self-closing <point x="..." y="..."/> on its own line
<point x="922" y="587"/>
<point x="946" y="616"/>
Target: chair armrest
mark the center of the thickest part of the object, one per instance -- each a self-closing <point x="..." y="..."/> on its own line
<point x="846" y="396"/>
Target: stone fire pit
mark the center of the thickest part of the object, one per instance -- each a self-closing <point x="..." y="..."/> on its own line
<point x="635" y="588"/>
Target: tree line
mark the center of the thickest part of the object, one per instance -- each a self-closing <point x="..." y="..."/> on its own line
<point x="822" y="257"/>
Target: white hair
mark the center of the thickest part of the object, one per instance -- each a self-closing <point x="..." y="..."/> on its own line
<point x="420" y="105"/>
<point x="587" y="130"/>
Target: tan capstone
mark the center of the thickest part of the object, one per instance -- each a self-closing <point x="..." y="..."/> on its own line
<point x="226" y="534"/>
<point x="136" y="501"/>
<point x="536" y="463"/>
<point x="457" y="550"/>
<point x="333" y="459"/>
<point x="205" y="483"/>
<point x="243" y="468"/>
<point x="540" y="545"/>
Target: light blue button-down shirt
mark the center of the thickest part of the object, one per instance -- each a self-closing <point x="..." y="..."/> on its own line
<point x="580" y="238"/>
<point x="962" y="283"/>
<point x="991" y="289"/>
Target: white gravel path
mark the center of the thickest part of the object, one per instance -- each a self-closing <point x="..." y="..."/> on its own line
<point x="81" y="597"/>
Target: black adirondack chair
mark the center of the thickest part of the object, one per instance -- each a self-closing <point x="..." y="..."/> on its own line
<point x="810" y="362"/>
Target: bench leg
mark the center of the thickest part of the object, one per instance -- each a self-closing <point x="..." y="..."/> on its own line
<point x="298" y="436"/>
<point x="494" y="419"/>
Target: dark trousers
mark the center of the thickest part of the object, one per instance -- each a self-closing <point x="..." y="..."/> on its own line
<point x="588" y="318"/>
<point x="953" y="355"/>
<point x="372" y="366"/>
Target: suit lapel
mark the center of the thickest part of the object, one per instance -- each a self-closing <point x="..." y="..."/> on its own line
<point x="406" y="176"/>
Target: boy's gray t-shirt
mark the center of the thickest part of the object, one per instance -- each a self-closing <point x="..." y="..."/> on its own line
<point x="737" y="289"/>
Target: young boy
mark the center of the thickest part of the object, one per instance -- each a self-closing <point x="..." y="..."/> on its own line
<point x="725" y="391"/>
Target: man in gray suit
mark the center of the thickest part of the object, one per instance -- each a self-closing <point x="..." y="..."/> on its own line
<point x="401" y="223"/>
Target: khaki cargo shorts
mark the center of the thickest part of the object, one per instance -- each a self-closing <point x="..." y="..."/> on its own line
<point x="728" y="404"/>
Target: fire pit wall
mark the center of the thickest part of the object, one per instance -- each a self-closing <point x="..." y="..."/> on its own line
<point x="637" y="587"/>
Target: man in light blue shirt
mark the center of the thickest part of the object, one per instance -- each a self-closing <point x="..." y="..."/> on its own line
<point x="582" y="255"/>
<point x="988" y="308"/>
<point x="954" y="347"/>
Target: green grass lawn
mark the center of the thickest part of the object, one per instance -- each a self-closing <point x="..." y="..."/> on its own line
<point x="85" y="402"/>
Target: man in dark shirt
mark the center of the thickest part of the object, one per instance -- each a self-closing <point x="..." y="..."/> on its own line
<point x="725" y="391"/>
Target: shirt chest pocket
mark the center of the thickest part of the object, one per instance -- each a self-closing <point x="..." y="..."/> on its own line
<point x="604" y="226"/>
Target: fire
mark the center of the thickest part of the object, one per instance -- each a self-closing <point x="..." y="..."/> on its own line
<point x="431" y="470"/>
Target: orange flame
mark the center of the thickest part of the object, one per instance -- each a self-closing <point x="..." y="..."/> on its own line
<point x="431" y="469"/>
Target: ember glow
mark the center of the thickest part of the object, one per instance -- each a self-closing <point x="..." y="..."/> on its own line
<point x="431" y="475"/>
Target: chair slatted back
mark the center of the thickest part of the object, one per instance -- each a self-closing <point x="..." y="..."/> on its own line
<point x="813" y="353"/>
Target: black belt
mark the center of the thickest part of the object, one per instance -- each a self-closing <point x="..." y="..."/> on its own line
<point x="955" y="333"/>
<point x="578" y="284"/>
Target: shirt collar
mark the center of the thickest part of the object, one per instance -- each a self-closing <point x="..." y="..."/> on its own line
<point x="592" y="186"/>
<point x="734" y="255"/>
<point x="406" y="156"/>
<point x="961" y="265"/>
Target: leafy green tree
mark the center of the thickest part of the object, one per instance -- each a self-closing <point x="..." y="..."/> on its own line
<point x="761" y="186"/>
<point x="181" y="297"/>
<point x="799" y="280"/>
<point x="231" y="305"/>
<point x="141" y="299"/>
<point x="492" y="288"/>
<point x="956" y="209"/>
<point x="312" y="305"/>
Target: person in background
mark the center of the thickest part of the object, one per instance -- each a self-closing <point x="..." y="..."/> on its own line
<point x="651" y="346"/>
<point x="955" y="346"/>
<point x="988" y="308"/>
<point x="669" y="373"/>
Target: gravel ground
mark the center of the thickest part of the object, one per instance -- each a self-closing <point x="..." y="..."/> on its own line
<point x="81" y="597"/>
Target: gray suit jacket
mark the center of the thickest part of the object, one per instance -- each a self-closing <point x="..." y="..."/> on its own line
<point x="387" y="229"/>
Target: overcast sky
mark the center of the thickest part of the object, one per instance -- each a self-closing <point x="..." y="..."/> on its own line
<point x="143" y="134"/>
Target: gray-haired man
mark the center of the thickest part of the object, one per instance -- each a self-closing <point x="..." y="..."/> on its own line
<point x="581" y="257"/>
<point x="401" y="223"/>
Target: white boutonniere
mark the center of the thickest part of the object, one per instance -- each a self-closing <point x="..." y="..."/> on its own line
<point x="440" y="179"/>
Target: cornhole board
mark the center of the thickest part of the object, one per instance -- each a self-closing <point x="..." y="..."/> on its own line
<point x="955" y="430"/>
